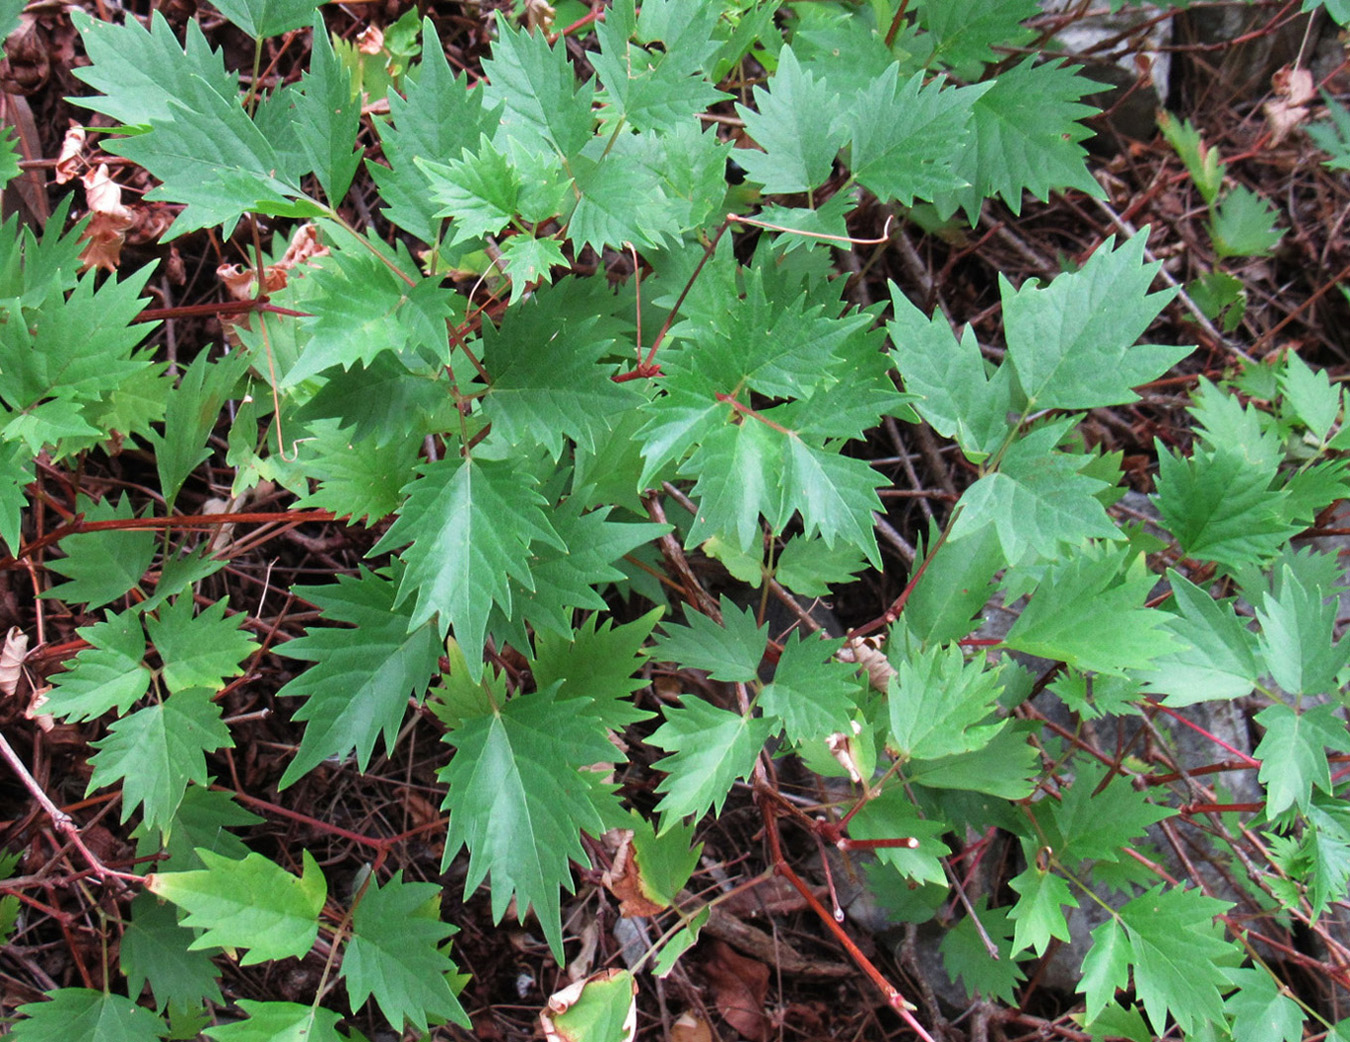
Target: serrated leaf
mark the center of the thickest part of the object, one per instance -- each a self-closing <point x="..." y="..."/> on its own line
<point x="263" y="18"/>
<point x="1073" y="343"/>
<point x="102" y="566"/>
<point x="812" y="694"/>
<point x="519" y="797"/>
<point x="536" y="87"/>
<point x="1088" y="614"/>
<point x="956" y="585"/>
<point x="87" y="1016"/>
<point x="835" y="495"/>
<point x="600" y="1008"/>
<point x="893" y="816"/>
<point x="16" y="473"/>
<point x="1297" y="626"/>
<point x="665" y="861"/>
<point x="680" y="942"/>
<point x="1024" y="136"/>
<point x="1309" y="395"/>
<point x="798" y="145"/>
<point x="1038" y="500"/>
<point x="1326" y="842"/>
<point x="1243" y="225"/>
<point x="964" y="31"/>
<point x="731" y="650"/>
<point x="108" y="674"/>
<point x="201" y="821"/>
<point x="471" y="523"/>
<point x="965" y="956"/>
<point x="1178" y="958"/>
<point x="479" y="190"/>
<point x="280" y="1022"/>
<point x="253" y="904"/>
<point x="710" y="749"/>
<point x="154" y="950"/>
<point x="597" y="662"/>
<point x="1217" y="657"/>
<point x="1003" y="767"/>
<point x="395" y="954"/>
<point x="907" y="134"/>
<point x="360" y="480"/>
<point x="327" y="116"/>
<point x="1293" y="754"/>
<point x="198" y="651"/>
<point x="808" y="566"/>
<point x="1106" y="968"/>
<point x="957" y="394"/>
<point x="1095" y="822"/>
<point x="1039" y="912"/>
<point x="528" y="261"/>
<point x="362" y="678"/>
<point x="937" y="701"/>
<point x="155" y="751"/>
<point x="1262" y="1011"/>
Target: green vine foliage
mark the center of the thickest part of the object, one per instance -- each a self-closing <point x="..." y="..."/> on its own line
<point x="537" y="454"/>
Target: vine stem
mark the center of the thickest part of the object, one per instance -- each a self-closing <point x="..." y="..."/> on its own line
<point x="62" y="821"/>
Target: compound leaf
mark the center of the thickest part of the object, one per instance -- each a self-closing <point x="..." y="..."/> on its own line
<point x="1293" y="754"/>
<point x="101" y="566"/>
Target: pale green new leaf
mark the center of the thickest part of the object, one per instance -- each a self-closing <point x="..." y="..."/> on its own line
<point x="1071" y="343"/>
<point x="710" y="749"/>
<point x="471" y="523"/>
<point x="731" y="650"/>
<point x="939" y="704"/>
<point x="795" y="128"/>
<point x="1309" y="395"/>
<point x="1293" y="754"/>
<point x="1179" y="956"/>
<point x="154" y="949"/>
<point x="253" y="904"/>
<point x="529" y="260"/>
<point x="280" y="1022"/>
<point x="395" y="953"/>
<point x="479" y="190"/>
<point x="812" y="694"/>
<point x="1086" y="613"/>
<point x="83" y="1015"/>
<point x="1038" y="500"/>
<point x="108" y="674"/>
<point x="519" y="797"/>
<point x="958" y="395"/>
<point x="1217" y="658"/>
<point x="263" y="18"/>
<point x="362" y="678"/>
<point x="1298" y="622"/>
<point x="1243" y="225"/>
<point x="199" y="651"/>
<point x="102" y="566"/>
<point x="156" y="751"/>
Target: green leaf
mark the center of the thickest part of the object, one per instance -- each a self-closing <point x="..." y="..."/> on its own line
<point x="1004" y="767"/>
<point x="964" y="31"/>
<point x="1297" y="625"/>
<point x="102" y="566"/>
<point x="471" y="523"/>
<point x="731" y="650"/>
<point x="937" y="703"/>
<point x="795" y="128"/>
<point x="1293" y="754"/>
<point x="945" y="603"/>
<point x="665" y="862"/>
<point x="199" y="651"/>
<point x="893" y="816"/>
<point x="108" y="674"/>
<point x="1243" y="225"/>
<point x="327" y="116"/>
<point x="16" y="473"/>
<point x="82" y="1015"/>
<point x="1037" y="501"/>
<point x="519" y="797"/>
<point x="1217" y="659"/>
<point x="1024" y="136"/>
<point x="1309" y="395"/>
<point x="1106" y="968"/>
<point x="200" y="822"/>
<point x="263" y="18"/>
<point x="154" y="949"/>
<point x="1179" y="956"/>
<point x="362" y="678"/>
<point x="157" y="750"/>
<point x="1202" y="162"/>
<point x="252" y="904"/>
<point x="395" y="954"/>
<point x="809" y="566"/>
<point x="604" y="1011"/>
<point x="1096" y="822"/>
<point x="1089" y="615"/>
<point x="964" y="955"/>
<point x="280" y="1022"/>
<point x="536" y="87"/>
<point x="906" y="136"/>
<point x="480" y="190"/>
<point x="680" y="942"/>
<point x="528" y="261"/>
<point x="1333" y="136"/>
<point x="957" y="395"/>
<point x="1262" y="1011"/>
<point x="812" y="694"/>
<point x="1039" y="912"/>
<point x="548" y="380"/>
<point x="1070" y="343"/>
<point x="357" y="479"/>
<point x="835" y="495"/>
<point x="597" y="662"/>
<point x="710" y="749"/>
